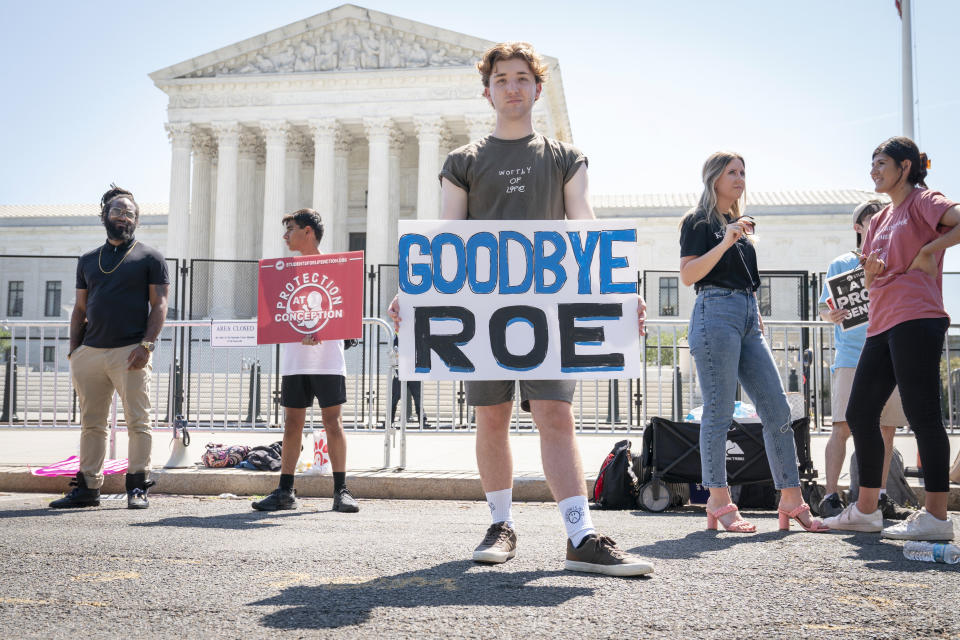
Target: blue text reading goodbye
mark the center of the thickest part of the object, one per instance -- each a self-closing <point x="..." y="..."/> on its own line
<point x="542" y="256"/>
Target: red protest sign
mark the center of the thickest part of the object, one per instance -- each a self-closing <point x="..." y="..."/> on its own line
<point x="319" y="295"/>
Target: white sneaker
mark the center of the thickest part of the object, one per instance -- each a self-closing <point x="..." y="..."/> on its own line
<point x="851" y="519"/>
<point x="922" y="525"/>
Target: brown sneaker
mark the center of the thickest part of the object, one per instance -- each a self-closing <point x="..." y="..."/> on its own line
<point x="599" y="554"/>
<point x="499" y="545"/>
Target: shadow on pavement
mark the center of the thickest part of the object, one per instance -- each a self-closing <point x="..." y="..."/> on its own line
<point x="696" y="543"/>
<point x="887" y="555"/>
<point x="45" y="511"/>
<point x="247" y="520"/>
<point x="345" y="603"/>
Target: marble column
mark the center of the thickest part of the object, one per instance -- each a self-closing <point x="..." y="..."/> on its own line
<point x="204" y="152"/>
<point x="257" y="249"/>
<point x="393" y="210"/>
<point x="178" y="216"/>
<point x="305" y="199"/>
<point x="294" y="155"/>
<point x="275" y="133"/>
<point x="541" y="124"/>
<point x="380" y="135"/>
<point x="340" y="238"/>
<point x="225" y="225"/>
<point x="324" y="132"/>
<point x="228" y="149"/>
<point x="429" y="133"/>
<point x="479" y="125"/>
<point x="248" y="211"/>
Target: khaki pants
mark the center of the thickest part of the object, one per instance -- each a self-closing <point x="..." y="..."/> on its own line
<point x="96" y="374"/>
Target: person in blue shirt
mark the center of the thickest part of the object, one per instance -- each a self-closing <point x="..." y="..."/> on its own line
<point x="848" y="345"/>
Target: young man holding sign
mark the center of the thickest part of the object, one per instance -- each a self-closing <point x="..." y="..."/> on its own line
<point x="311" y="369"/>
<point x="848" y="343"/>
<point x="518" y="174"/>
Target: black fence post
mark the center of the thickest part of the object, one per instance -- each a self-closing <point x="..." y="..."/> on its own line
<point x="253" y="402"/>
<point x="10" y="388"/>
<point x="175" y="404"/>
<point x="677" y="394"/>
<point x="613" y="402"/>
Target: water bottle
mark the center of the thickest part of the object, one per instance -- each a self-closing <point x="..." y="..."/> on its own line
<point x="931" y="552"/>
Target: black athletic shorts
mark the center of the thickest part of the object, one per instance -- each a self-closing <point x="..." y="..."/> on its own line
<point x="298" y="392"/>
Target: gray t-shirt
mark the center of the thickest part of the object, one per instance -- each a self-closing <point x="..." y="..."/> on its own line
<point x="514" y="179"/>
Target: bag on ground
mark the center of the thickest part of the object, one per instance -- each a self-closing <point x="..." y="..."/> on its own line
<point x="897" y="487"/>
<point x="217" y="456"/>
<point x="266" y="458"/>
<point x="617" y="484"/>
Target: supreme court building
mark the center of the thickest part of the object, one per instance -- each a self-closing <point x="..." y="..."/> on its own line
<point x="351" y="112"/>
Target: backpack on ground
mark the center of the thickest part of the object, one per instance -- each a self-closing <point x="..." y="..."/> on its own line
<point x="756" y="495"/>
<point x="897" y="487"/>
<point x="217" y="456"/>
<point x="267" y="458"/>
<point x="617" y="485"/>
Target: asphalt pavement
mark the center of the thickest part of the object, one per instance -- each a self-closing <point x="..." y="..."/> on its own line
<point x="205" y="567"/>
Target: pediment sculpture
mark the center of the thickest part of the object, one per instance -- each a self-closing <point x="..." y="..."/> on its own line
<point x="347" y="45"/>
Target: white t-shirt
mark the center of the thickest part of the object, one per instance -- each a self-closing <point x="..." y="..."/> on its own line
<point x="325" y="358"/>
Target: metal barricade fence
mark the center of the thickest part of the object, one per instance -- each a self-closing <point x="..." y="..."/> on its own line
<point x="237" y="389"/>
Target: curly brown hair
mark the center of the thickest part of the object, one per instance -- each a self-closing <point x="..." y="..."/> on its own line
<point x="507" y="51"/>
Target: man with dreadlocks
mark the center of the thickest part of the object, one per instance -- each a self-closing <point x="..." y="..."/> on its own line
<point x="121" y="304"/>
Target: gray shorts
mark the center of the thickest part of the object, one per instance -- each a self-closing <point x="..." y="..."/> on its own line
<point x="484" y="393"/>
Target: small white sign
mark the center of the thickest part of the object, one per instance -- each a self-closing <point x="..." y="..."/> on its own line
<point x="233" y="333"/>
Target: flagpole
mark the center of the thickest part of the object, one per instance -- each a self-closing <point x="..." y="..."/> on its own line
<point x="906" y="59"/>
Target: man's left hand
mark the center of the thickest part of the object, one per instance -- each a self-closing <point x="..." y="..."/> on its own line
<point x="138" y="358"/>
<point x="642" y="315"/>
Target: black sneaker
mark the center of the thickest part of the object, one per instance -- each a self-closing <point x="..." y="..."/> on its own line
<point x="891" y="510"/>
<point x="830" y="506"/>
<point x="499" y="545"/>
<point x="279" y="500"/>
<point x="80" y="496"/>
<point x="599" y="554"/>
<point x="344" y="502"/>
<point x="137" y="488"/>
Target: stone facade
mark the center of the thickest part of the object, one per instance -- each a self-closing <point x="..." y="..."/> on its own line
<point x="348" y="112"/>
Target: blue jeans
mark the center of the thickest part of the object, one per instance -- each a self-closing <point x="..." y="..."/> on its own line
<point x="727" y="345"/>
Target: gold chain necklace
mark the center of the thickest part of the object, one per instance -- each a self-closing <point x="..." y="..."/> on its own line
<point x="100" y="257"/>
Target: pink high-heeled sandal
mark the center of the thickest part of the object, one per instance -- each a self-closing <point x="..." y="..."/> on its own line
<point x="737" y="526"/>
<point x="816" y="526"/>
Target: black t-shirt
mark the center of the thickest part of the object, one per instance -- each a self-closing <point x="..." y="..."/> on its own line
<point x="736" y="269"/>
<point x="118" y="302"/>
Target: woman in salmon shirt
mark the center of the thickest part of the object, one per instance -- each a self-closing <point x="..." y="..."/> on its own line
<point x="903" y="265"/>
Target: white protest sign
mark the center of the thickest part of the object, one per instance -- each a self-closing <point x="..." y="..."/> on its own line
<point x="233" y="333"/>
<point x="848" y="291"/>
<point x="510" y="299"/>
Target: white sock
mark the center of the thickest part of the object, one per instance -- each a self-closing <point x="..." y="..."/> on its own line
<point x="883" y="492"/>
<point x="500" y="503"/>
<point x="576" y="518"/>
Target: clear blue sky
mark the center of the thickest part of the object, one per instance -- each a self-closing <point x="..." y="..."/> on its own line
<point x="805" y="90"/>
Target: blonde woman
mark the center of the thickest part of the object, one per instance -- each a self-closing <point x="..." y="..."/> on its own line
<point x="727" y="344"/>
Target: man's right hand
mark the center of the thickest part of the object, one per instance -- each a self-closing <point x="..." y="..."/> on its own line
<point x="394" y="312"/>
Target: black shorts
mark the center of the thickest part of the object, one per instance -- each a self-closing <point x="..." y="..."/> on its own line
<point x="298" y="392"/>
